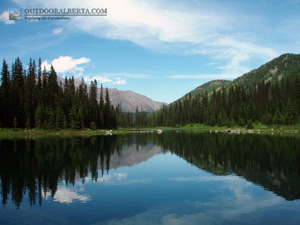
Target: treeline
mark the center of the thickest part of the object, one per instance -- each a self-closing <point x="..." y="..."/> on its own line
<point x="33" y="98"/>
<point x="269" y="103"/>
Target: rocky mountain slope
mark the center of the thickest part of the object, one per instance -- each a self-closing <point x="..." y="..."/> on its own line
<point x="128" y="99"/>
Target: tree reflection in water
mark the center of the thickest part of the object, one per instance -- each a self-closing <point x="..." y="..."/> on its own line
<point x="36" y="166"/>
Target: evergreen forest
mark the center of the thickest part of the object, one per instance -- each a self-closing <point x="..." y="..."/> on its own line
<point x="34" y="98"/>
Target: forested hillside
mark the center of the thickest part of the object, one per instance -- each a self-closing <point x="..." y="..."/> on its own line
<point x="33" y="98"/>
<point x="286" y="65"/>
<point x="207" y="87"/>
<point x="269" y="94"/>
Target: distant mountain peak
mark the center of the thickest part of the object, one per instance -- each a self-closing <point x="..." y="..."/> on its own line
<point x="129" y="99"/>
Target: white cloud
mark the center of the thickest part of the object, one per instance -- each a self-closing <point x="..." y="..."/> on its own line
<point x="115" y="78"/>
<point x="65" y="64"/>
<point x="235" y="54"/>
<point x="160" y="25"/>
<point x="4" y="17"/>
<point x="57" y="30"/>
<point x="207" y="178"/>
<point x="129" y="75"/>
<point x="120" y="179"/>
<point x="119" y="81"/>
<point x="232" y="200"/>
<point x="213" y="63"/>
<point x="106" y="79"/>
<point x="112" y="178"/>
<point x="67" y="195"/>
<point x="100" y="79"/>
<point x="205" y="76"/>
<point x="202" y="28"/>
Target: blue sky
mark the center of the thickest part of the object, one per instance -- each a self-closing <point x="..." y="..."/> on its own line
<point x="159" y="48"/>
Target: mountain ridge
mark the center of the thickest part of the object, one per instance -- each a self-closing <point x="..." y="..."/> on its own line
<point x="129" y="99"/>
<point x="278" y="68"/>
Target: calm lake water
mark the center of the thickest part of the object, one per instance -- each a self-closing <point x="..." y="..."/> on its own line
<point x="168" y="178"/>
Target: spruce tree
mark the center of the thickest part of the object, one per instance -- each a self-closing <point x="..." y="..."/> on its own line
<point x="107" y="113"/>
<point x="17" y="92"/>
<point x="101" y="108"/>
<point x="5" y="106"/>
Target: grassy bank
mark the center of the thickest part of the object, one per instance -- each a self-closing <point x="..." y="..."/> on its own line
<point x="67" y="132"/>
<point x="257" y="128"/>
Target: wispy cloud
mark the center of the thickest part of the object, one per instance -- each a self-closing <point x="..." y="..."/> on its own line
<point x="227" y="32"/>
<point x="128" y="75"/>
<point x="65" y="64"/>
<point x="121" y="179"/>
<point x="238" y="204"/>
<point x="119" y="81"/>
<point x="115" y="78"/>
<point x="106" y="79"/>
<point x="110" y="178"/>
<point x="207" y="178"/>
<point x="202" y="28"/>
<point x="100" y="79"/>
<point x="205" y="76"/>
<point x="4" y="17"/>
<point x="58" y="30"/>
<point x="236" y="54"/>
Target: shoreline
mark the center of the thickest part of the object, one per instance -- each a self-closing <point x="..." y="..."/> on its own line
<point x="12" y="132"/>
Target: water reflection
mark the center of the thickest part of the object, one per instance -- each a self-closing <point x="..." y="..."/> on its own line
<point x="58" y="168"/>
<point x="65" y="194"/>
<point x="272" y="162"/>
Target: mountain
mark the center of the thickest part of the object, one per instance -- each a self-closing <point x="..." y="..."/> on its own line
<point x="132" y="155"/>
<point x="283" y="66"/>
<point x="129" y="100"/>
<point x="269" y="94"/>
<point x="209" y="86"/>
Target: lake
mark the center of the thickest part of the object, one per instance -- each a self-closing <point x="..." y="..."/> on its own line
<point x="169" y="178"/>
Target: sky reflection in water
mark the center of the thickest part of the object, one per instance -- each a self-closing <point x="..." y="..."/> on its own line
<point x="154" y="186"/>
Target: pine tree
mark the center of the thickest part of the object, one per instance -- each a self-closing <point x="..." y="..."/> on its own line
<point x="137" y="117"/>
<point x="74" y="121"/>
<point x="49" y="122"/>
<point x="290" y="117"/>
<point x="17" y="92"/>
<point x="250" y="124"/>
<point x="277" y="118"/>
<point x="45" y="89"/>
<point x="101" y="108"/>
<point x="65" y="123"/>
<point x="28" y="123"/>
<point x="15" y="122"/>
<point x="107" y="113"/>
<point x="39" y="82"/>
<point x="52" y="88"/>
<point x="39" y="116"/>
<point x="30" y="102"/>
<point x="59" y="123"/>
<point x="5" y="110"/>
<point x="93" y="103"/>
